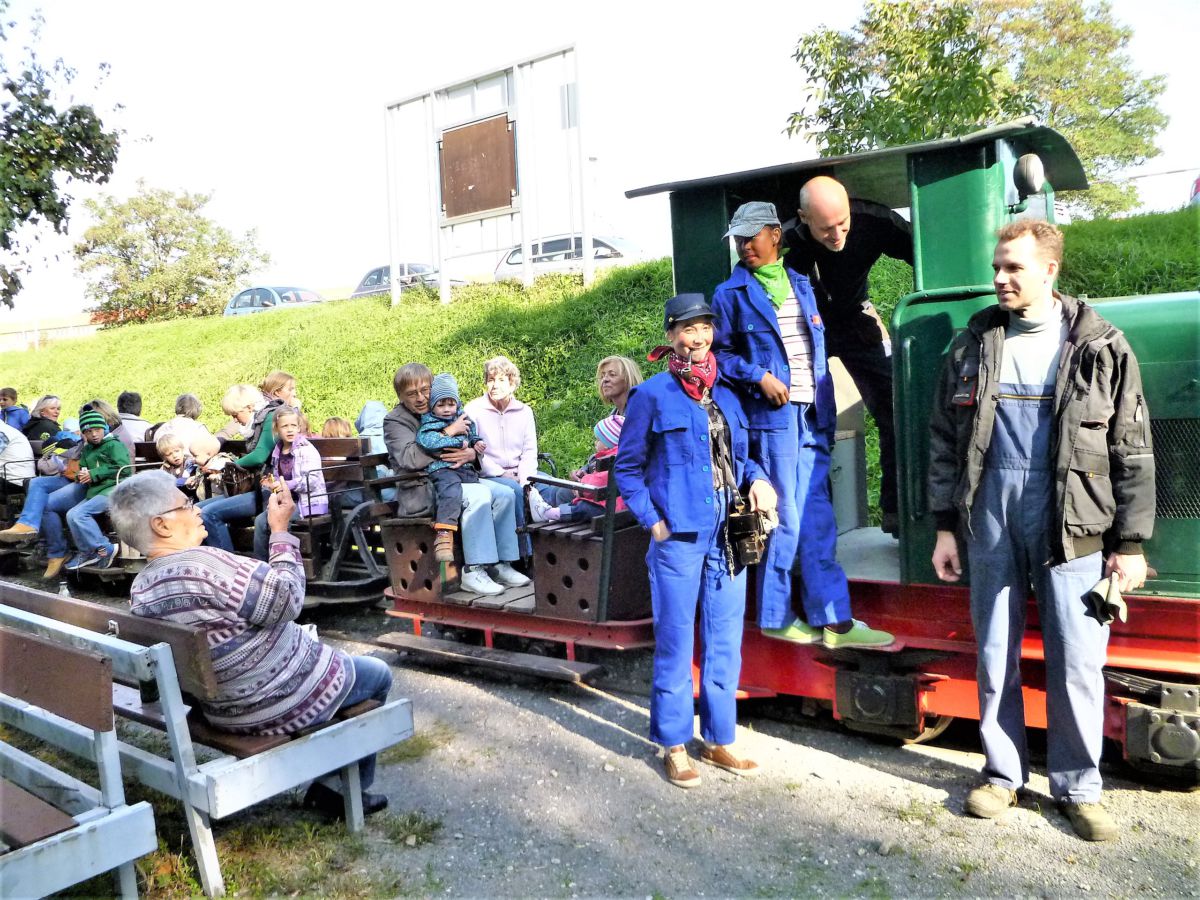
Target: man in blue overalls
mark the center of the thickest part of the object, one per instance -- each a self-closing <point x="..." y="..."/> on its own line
<point x="770" y="342"/>
<point x="1041" y="466"/>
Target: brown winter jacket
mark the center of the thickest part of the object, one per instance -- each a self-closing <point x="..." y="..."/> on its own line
<point x="413" y="498"/>
<point x="1101" y="448"/>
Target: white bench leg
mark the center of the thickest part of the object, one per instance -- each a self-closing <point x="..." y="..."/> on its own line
<point x="205" y="848"/>
<point x="127" y="881"/>
<point x="352" y="794"/>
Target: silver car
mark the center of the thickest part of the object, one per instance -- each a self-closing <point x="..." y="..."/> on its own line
<point x="564" y="253"/>
<point x="378" y="281"/>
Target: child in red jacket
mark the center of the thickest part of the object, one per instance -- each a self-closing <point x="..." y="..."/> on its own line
<point x="585" y="506"/>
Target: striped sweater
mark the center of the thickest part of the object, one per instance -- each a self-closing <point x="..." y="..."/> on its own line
<point x="272" y="677"/>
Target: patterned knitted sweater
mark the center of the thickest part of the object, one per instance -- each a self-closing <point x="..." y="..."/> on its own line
<point x="273" y="678"/>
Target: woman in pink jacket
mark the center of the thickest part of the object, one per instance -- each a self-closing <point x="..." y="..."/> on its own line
<point x="506" y="426"/>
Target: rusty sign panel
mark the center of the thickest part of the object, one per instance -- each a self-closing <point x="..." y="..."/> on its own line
<point x="479" y="167"/>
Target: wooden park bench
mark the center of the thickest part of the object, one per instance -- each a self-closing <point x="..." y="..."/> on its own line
<point x="56" y="830"/>
<point x="246" y="769"/>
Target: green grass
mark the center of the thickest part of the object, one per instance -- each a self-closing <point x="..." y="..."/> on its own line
<point x="1151" y="254"/>
<point x="419" y="745"/>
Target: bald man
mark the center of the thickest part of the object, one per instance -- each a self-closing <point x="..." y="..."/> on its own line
<point x="835" y="241"/>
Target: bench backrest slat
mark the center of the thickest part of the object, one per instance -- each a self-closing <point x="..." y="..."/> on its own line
<point x="189" y="646"/>
<point x="74" y="684"/>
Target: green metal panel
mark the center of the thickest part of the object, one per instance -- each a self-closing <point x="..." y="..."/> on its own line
<point x="922" y="328"/>
<point x="957" y="205"/>
<point x="698" y="219"/>
<point x="1164" y="332"/>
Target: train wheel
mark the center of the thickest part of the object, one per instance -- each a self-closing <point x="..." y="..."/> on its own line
<point x="934" y="727"/>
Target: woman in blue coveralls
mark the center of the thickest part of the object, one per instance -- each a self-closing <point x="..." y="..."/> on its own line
<point x="683" y="453"/>
<point x="770" y="343"/>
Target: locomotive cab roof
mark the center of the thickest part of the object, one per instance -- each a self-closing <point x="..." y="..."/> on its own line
<point x="959" y="190"/>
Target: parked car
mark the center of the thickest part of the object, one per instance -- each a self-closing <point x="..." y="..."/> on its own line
<point x="564" y="253"/>
<point x="257" y="299"/>
<point x="378" y="281"/>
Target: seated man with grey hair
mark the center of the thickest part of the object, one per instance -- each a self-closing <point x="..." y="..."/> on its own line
<point x="274" y="678"/>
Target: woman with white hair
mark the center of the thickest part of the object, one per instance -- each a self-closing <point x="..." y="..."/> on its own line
<point x="273" y="677"/>
<point x="508" y="431"/>
<point x="185" y="425"/>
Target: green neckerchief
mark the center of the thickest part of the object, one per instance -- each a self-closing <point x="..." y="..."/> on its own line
<point x="774" y="279"/>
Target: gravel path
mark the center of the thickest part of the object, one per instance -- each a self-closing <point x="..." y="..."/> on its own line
<point x="553" y="790"/>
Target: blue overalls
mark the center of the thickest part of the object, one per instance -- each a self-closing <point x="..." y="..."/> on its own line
<point x="793" y="444"/>
<point x="1008" y="545"/>
<point x="664" y="471"/>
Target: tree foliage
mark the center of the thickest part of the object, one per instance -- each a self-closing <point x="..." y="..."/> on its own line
<point x="43" y="147"/>
<point x="155" y="256"/>
<point x="914" y="70"/>
<point x="909" y="71"/>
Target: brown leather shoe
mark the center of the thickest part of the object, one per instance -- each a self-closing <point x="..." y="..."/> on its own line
<point x="54" y="565"/>
<point x="719" y="756"/>
<point x="18" y="534"/>
<point x="680" y="771"/>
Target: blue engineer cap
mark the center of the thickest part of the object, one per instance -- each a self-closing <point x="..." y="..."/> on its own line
<point x="682" y="307"/>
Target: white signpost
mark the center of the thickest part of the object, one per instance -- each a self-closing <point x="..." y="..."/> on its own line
<point x="486" y="165"/>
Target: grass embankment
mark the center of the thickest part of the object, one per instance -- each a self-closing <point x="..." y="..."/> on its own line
<point x="345" y="353"/>
<point x="1151" y="254"/>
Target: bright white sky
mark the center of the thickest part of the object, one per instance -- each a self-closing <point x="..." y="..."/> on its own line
<point x="277" y="108"/>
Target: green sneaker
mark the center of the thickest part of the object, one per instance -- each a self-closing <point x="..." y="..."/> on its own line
<point x="1090" y="821"/>
<point x="859" y="635"/>
<point x="798" y="632"/>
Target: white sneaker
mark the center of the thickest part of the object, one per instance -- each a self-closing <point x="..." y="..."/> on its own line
<point x="476" y="580"/>
<point x="538" y="507"/>
<point x="507" y="575"/>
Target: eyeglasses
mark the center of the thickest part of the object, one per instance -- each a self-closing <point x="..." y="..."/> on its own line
<point x="416" y="393"/>
<point x="187" y="504"/>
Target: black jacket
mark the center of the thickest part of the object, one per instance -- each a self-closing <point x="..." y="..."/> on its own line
<point x="1101" y="450"/>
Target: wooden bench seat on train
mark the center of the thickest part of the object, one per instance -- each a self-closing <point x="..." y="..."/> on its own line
<point x="56" y="830"/>
<point x="245" y="770"/>
<point x="592" y="571"/>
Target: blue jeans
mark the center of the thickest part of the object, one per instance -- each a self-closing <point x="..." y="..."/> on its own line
<point x="219" y="511"/>
<point x="262" y="534"/>
<point x="796" y="460"/>
<point x="372" y="681"/>
<point x="85" y="531"/>
<point x="36" y="493"/>
<point x="488" y="525"/>
<point x="518" y="509"/>
<point x="57" y="505"/>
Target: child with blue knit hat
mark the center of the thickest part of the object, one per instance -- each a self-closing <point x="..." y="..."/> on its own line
<point x="585" y="506"/>
<point x="445" y="427"/>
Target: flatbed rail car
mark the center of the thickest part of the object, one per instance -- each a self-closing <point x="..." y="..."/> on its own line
<point x="958" y="192"/>
<point x="589" y="588"/>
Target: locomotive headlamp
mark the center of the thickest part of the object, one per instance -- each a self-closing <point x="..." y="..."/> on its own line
<point x="1029" y="175"/>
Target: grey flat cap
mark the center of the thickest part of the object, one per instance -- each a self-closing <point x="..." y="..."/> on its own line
<point x="751" y="218"/>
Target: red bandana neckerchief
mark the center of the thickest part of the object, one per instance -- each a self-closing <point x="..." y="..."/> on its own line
<point x="694" y="377"/>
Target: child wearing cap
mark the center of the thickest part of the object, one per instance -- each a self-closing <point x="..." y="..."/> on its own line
<point x="585" y="506"/>
<point x="101" y="459"/>
<point x="445" y="427"/>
